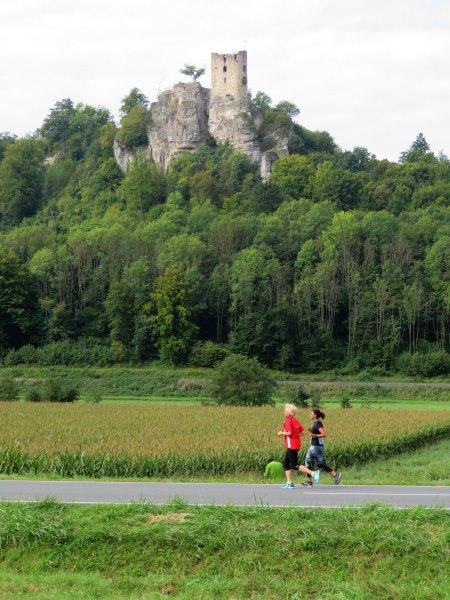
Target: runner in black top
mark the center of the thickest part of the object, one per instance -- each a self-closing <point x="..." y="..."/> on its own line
<point x="315" y="452"/>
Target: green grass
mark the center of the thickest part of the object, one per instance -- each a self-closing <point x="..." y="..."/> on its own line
<point x="55" y="551"/>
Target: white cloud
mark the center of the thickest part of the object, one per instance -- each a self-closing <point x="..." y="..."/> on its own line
<point x="372" y="74"/>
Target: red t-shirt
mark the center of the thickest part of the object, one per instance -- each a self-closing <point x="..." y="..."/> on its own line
<point x="294" y="426"/>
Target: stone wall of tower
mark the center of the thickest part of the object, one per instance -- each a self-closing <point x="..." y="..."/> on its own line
<point x="229" y="75"/>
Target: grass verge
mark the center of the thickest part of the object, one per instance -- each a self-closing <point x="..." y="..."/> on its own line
<point x="50" y="551"/>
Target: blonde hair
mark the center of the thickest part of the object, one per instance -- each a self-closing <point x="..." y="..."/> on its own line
<point x="291" y="408"/>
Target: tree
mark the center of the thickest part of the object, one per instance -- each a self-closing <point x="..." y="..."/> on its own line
<point x="21" y="179"/>
<point x="56" y="126"/>
<point x="289" y="108"/>
<point x="17" y="303"/>
<point x="242" y="381"/>
<point x="119" y="306"/>
<point x="170" y="316"/>
<point x="133" y="99"/>
<point x="294" y="174"/>
<point x="192" y="71"/>
<point x="418" y="149"/>
<point x="6" y="139"/>
<point x="133" y="130"/>
<point x="260" y="103"/>
<point x="143" y="186"/>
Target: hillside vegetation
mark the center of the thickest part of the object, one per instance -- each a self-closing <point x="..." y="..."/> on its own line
<point x="340" y="261"/>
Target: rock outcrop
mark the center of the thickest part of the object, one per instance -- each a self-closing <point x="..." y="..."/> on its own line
<point x="186" y="116"/>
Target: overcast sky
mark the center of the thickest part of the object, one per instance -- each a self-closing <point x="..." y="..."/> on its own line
<point x="371" y="73"/>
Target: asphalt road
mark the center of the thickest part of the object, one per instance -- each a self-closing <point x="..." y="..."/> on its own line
<point x="321" y="496"/>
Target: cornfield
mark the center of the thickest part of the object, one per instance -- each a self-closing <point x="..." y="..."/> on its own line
<point x="144" y="440"/>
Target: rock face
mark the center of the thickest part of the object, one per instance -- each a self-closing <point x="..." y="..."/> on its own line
<point x="179" y="122"/>
<point x="188" y="114"/>
<point x="230" y="121"/>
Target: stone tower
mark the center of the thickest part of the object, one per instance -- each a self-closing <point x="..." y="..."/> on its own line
<point x="229" y="75"/>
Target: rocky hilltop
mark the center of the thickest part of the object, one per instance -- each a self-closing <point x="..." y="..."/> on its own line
<point x="189" y="114"/>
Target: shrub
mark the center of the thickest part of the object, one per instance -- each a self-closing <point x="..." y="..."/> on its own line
<point x="299" y="396"/>
<point x="133" y="131"/>
<point x="9" y="390"/>
<point x="242" y="381"/>
<point x="33" y="393"/>
<point x="424" y="364"/>
<point x="54" y="391"/>
<point x="207" y="354"/>
<point x="345" y="402"/>
<point x="86" y="352"/>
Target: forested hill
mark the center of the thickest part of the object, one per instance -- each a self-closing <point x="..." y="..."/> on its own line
<point x="339" y="261"/>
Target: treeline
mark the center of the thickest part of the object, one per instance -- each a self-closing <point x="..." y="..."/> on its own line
<point x="339" y="261"/>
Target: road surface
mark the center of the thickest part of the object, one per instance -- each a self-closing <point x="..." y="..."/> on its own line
<point x="321" y="496"/>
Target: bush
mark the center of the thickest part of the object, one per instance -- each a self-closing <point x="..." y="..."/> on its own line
<point x="207" y="354"/>
<point x="54" y="391"/>
<point x="242" y="381"/>
<point x="9" y="390"/>
<point x="345" y="402"/>
<point x="86" y="352"/>
<point x="33" y="394"/>
<point x="424" y="364"/>
<point x="133" y="131"/>
<point x="299" y="396"/>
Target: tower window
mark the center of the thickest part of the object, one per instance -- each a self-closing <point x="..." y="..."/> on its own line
<point x="224" y="58"/>
<point x="224" y="79"/>
<point x="224" y="69"/>
<point x="244" y="68"/>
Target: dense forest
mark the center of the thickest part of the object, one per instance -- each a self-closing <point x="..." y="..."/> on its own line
<point x="340" y="261"/>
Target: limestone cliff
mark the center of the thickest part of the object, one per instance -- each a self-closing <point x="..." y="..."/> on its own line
<point x="186" y="116"/>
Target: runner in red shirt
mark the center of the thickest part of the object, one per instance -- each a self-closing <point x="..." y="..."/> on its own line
<point x="292" y="432"/>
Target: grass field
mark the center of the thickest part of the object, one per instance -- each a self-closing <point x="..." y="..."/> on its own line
<point x="51" y="551"/>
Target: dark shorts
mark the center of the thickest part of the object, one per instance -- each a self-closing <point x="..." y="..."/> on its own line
<point x="290" y="460"/>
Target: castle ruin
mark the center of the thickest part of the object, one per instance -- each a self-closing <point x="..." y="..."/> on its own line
<point x="185" y="116"/>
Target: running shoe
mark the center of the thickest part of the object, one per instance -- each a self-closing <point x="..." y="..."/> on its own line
<point x="307" y="483"/>
<point x="287" y="486"/>
<point x="337" y="478"/>
<point x="315" y="477"/>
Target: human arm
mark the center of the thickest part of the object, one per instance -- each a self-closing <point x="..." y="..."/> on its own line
<point x="322" y="433"/>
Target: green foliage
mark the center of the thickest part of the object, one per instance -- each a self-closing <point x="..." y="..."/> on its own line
<point x="84" y="352"/>
<point x="9" y="390"/>
<point x="143" y="186"/>
<point x="170" y="316"/>
<point x="21" y="179"/>
<point x="55" y="391"/>
<point x="192" y="71"/>
<point x="69" y="131"/>
<point x="131" y="100"/>
<point x="6" y="139"/>
<point x="17" y="300"/>
<point x="418" y="150"/>
<point x="133" y="127"/>
<point x="242" y="381"/>
<point x="33" y="393"/>
<point x="288" y="108"/>
<point x="424" y="364"/>
<point x="345" y="402"/>
<point x="207" y="354"/>
<point x="339" y="261"/>
<point x="260" y="103"/>
<point x="299" y="396"/>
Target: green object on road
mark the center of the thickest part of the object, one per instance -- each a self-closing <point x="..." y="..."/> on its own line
<point x="274" y="471"/>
